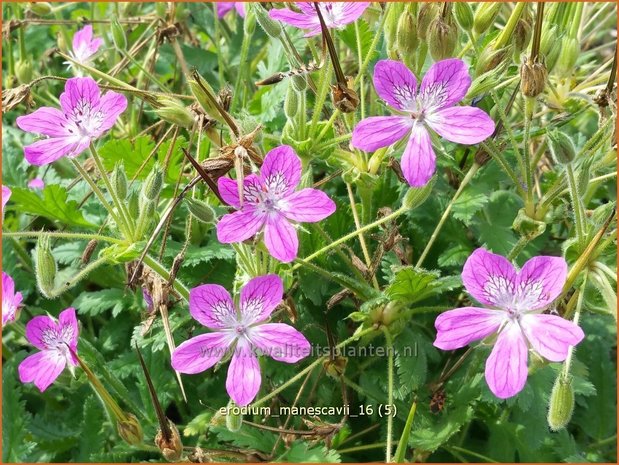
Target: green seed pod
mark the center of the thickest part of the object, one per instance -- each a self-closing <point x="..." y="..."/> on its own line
<point x="45" y="267"/>
<point x="561" y="147"/>
<point x="118" y="35"/>
<point x="406" y="35"/>
<point x="427" y="12"/>
<point x="418" y="195"/>
<point x="464" y="15"/>
<point x="119" y="180"/>
<point x="249" y="23"/>
<point x="234" y="419"/>
<point x="527" y="226"/>
<point x="442" y="38"/>
<point x="173" y="111"/>
<point x="40" y="8"/>
<point x="129" y="430"/>
<point x="485" y="15"/>
<point x="202" y="211"/>
<point x="271" y="27"/>
<point x="23" y="71"/>
<point x="561" y="406"/>
<point x="153" y="184"/>
<point x="172" y="449"/>
<point x="291" y="103"/>
<point x="568" y="54"/>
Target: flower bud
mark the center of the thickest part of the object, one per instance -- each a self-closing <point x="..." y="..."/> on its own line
<point x="533" y="77"/>
<point x="61" y="43"/>
<point x="568" y="54"/>
<point x="561" y="147"/>
<point x="45" y="267"/>
<point x="291" y="103"/>
<point x="172" y="448"/>
<point x="129" y="429"/>
<point x="299" y="82"/>
<point x="442" y="38"/>
<point x="484" y="83"/>
<point x="406" y="35"/>
<point x="490" y="58"/>
<point x="119" y="180"/>
<point x="561" y="404"/>
<point x="202" y="211"/>
<point x="550" y="46"/>
<point x="271" y="27"/>
<point x="427" y="12"/>
<point x="527" y="226"/>
<point x="40" y="8"/>
<point x="153" y="184"/>
<point x="464" y="15"/>
<point x="118" y="35"/>
<point x="173" y="111"/>
<point x="249" y="23"/>
<point x="394" y="11"/>
<point x="133" y="204"/>
<point x="23" y="71"/>
<point x="418" y="195"/>
<point x="485" y="15"/>
<point x="522" y="32"/>
<point x="234" y="419"/>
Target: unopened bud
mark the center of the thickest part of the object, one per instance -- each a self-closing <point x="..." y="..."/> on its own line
<point x="522" y="32"/>
<point x="442" y="38"/>
<point x="202" y="211"/>
<point x="45" y="266"/>
<point x="234" y="418"/>
<point x="483" y="84"/>
<point x="406" y="35"/>
<point x="485" y="15"/>
<point x="418" y="195"/>
<point x="153" y="184"/>
<point x="527" y="226"/>
<point x="129" y="430"/>
<point x="249" y="23"/>
<point x="40" y="8"/>
<point x="133" y="204"/>
<point x="61" y="43"/>
<point x="464" y="15"/>
<point x="271" y="27"/>
<point x="171" y="448"/>
<point x="119" y="180"/>
<point x="173" y="111"/>
<point x="201" y="91"/>
<point x="490" y="58"/>
<point x="291" y="102"/>
<point x="23" y="71"/>
<point x="550" y="46"/>
<point x="118" y="35"/>
<point x="561" y="147"/>
<point x="568" y="54"/>
<point x="561" y="404"/>
<point x="533" y="77"/>
<point x="394" y="12"/>
<point x="299" y="82"/>
<point x="427" y="12"/>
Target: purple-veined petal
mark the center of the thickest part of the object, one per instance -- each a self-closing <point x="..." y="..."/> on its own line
<point x="239" y="226"/>
<point x="212" y="306"/>
<point x="47" y="151"/>
<point x="279" y="341"/>
<point x="38" y="330"/>
<point x="298" y="20"/>
<point x="461" y="326"/>
<point x="68" y="327"/>
<point x="395" y="84"/>
<point x="350" y="11"/>
<point x="375" y="132"/>
<point x="418" y="160"/>
<point x="112" y="105"/>
<point x="41" y="368"/>
<point x="243" y="380"/>
<point x="308" y="206"/>
<point x="6" y="195"/>
<point x="259" y="297"/>
<point x="83" y="37"/>
<point x="78" y="92"/>
<point x="445" y="84"/>
<point x="10" y="299"/>
<point x="229" y="191"/>
<point x="45" y="120"/>
<point x="550" y="335"/>
<point x="201" y="352"/>
<point x="540" y="281"/>
<point x="464" y="125"/>
<point x="281" y="239"/>
<point x="489" y="278"/>
<point x="506" y="367"/>
<point x="36" y="183"/>
<point x="281" y="170"/>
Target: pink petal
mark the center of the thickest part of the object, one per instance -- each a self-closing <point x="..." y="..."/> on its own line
<point x="82" y="38"/>
<point x="489" y="278"/>
<point x="458" y="328"/>
<point x="36" y="329"/>
<point x="506" y="367"/>
<point x="6" y="195"/>
<point x="239" y="226"/>
<point x="351" y="11"/>
<point x="68" y="326"/>
<point x="36" y="183"/>
<point x="112" y="105"/>
<point x="298" y="20"/>
<point x="243" y="381"/>
<point x="201" y="352"/>
<point x="281" y="239"/>
<point x="418" y="160"/>
<point x="395" y="84"/>
<point x="79" y="89"/>
<point x="281" y="170"/>
<point x="445" y="83"/>
<point x="380" y="131"/>
<point x="10" y="300"/>
<point x="42" y="368"/>
<point x="45" y="120"/>
<point x="212" y="306"/>
<point x="240" y="8"/>
<point x="48" y="151"/>
<point x="541" y="280"/>
<point x="229" y="190"/>
<point x="464" y="125"/>
<point x="308" y="206"/>
<point x="280" y="341"/>
<point x="259" y="297"/>
<point x="550" y="335"/>
<point x="223" y="8"/>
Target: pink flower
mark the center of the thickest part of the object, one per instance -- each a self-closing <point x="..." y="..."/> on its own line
<point x="224" y="7"/>
<point x="83" y="117"/>
<point x="336" y="15"/>
<point x="36" y="183"/>
<point x="55" y="339"/>
<point x="84" y="46"/>
<point x="10" y="300"/>
<point x="270" y="203"/>
<point x="6" y="195"/>
<point x="444" y="85"/>
<point x="517" y="300"/>
<point x="240" y="331"/>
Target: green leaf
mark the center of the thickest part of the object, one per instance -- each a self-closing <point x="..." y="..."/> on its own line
<point x="472" y="200"/>
<point x="302" y="452"/>
<point x="412" y="285"/>
<point x="93" y="303"/>
<point x="91" y="437"/>
<point x="133" y="155"/>
<point x="15" y="419"/>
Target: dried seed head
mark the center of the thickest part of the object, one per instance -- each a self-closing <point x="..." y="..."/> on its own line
<point x="485" y="15"/>
<point x="442" y="38"/>
<point x="172" y="448"/>
<point x="13" y="97"/>
<point x="533" y="77"/>
<point x="45" y="266"/>
<point x="335" y="367"/>
<point x="427" y="12"/>
<point x="344" y="98"/>
<point x="561" y="406"/>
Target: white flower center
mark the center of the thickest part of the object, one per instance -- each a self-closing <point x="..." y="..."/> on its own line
<point x="84" y="121"/>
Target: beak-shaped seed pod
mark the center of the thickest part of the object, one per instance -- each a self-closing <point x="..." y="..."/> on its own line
<point x="172" y="448"/>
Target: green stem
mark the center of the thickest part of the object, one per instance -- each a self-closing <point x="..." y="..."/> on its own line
<point x="576" y="203"/>
<point x="242" y="68"/>
<point x="528" y="169"/>
<point x="389" y="340"/>
<point x="63" y="235"/>
<point x="401" y="450"/>
<point x="508" y="30"/>
<point x="321" y="96"/>
<point x="579" y="302"/>
<point x="76" y="278"/>
<point x="165" y="274"/>
<point x="498" y="156"/>
<point x="521" y="244"/>
<point x="348" y="450"/>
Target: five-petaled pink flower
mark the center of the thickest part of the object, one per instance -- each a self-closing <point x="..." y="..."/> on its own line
<point x="224" y="7"/>
<point x="6" y="195"/>
<point x="57" y="341"/>
<point x="36" y="183"/>
<point x="270" y="203"/>
<point x="10" y="299"/>
<point x="84" y="45"/>
<point x="84" y="115"/>
<point x="444" y="85"/>
<point x="517" y="300"/>
<point x="336" y="15"/>
<point x="240" y="332"/>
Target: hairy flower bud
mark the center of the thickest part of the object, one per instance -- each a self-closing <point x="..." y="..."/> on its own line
<point x="464" y="15"/>
<point x="133" y="204"/>
<point x="234" y="419"/>
<point x="118" y="35"/>
<point x="561" y="404"/>
<point x="172" y="448"/>
<point x="153" y="184"/>
<point x="202" y="211"/>
<point x="299" y="82"/>
<point x="201" y="91"/>
<point x="418" y="195"/>
<point x="291" y="102"/>
<point x="129" y="429"/>
<point x="533" y="77"/>
<point x="394" y="12"/>
<point x="442" y="38"/>
<point x="45" y="266"/>
<point x="40" y="8"/>
<point x="561" y="147"/>
<point x="485" y="15"/>
<point x="119" y="180"/>
<point x="491" y="58"/>
<point x="427" y="12"/>
<point x="23" y="71"/>
<point x="568" y="54"/>
<point x="550" y="46"/>
<point x="406" y="35"/>
<point x="271" y="27"/>
<point x="249" y="23"/>
<point x="522" y="32"/>
<point x="173" y="111"/>
<point x="484" y="83"/>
